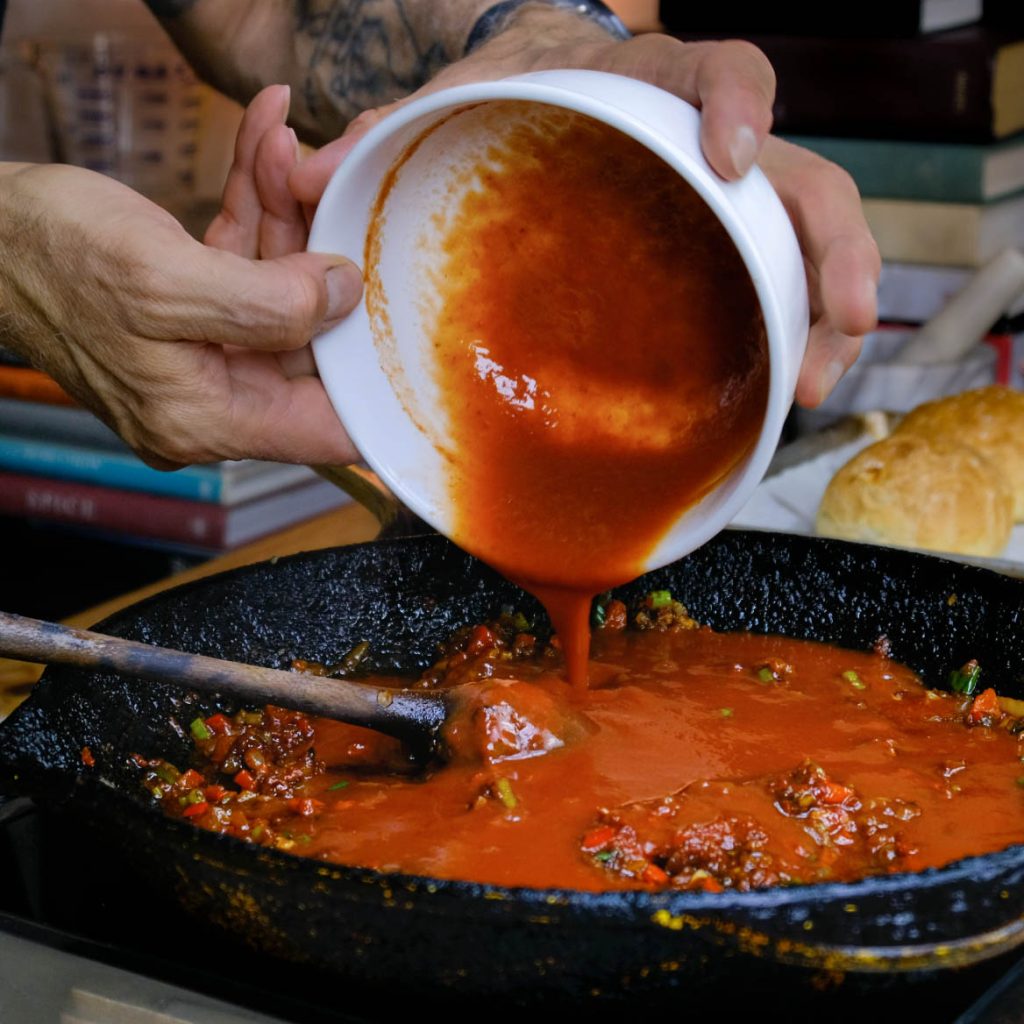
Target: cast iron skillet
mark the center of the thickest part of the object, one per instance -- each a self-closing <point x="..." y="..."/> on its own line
<point x="404" y="596"/>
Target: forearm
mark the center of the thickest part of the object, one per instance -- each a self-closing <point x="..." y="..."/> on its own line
<point x="21" y="283"/>
<point x="340" y="57"/>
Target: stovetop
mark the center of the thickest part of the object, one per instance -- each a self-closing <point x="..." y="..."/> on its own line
<point x="62" y="905"/>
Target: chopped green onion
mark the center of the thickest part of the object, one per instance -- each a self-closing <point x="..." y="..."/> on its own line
<point x="158" y="792"/>
<point x="338" y="785"/>
<point x="965" y="680"/>
<point x="659" y="598"/>
<point x="597" y="617"/>
<point x="195" y="796"/>
<point x="505" y="794"/>
<point x="199" y="729"/>
<point x="166" y="771"/>
<point x="854" y="680"/>
<point x="521" y="623"/>
<point x="725" y="712"/>
<point x="604" y="856"/>
<point x="1020" y="781"/>
<point x="252" y="717"/>
<point x="766" y="675"/>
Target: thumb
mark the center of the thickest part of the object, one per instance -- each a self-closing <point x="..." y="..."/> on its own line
<point x="263" y="304"/>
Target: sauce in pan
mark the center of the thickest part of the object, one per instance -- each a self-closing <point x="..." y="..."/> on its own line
<point x="697" y="760"/>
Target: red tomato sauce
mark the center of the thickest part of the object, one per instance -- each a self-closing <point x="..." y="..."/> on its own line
<point x="601" y="354"/>
<point x="696" y="760"/>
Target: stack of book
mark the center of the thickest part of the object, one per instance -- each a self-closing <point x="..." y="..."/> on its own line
<point x="59" y="464"/>
<point x="922" y="101"/>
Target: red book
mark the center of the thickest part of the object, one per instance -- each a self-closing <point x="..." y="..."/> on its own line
<point x="175" y="520"/>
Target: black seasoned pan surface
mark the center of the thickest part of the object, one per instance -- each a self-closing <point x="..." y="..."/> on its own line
<point x="406" y="595"/>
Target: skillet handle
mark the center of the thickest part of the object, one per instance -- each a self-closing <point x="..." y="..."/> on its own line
<point x="368" y="489"/>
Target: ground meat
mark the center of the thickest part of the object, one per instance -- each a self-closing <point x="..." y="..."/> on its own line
<point x="505" y="720"/>
<point x="477" y="652"/>
<point x="680" y="841"/>
<point x="670" y="617"/>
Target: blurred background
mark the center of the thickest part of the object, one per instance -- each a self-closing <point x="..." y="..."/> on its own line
<point x="922" y="101"/>
<point x="98" y="83"/>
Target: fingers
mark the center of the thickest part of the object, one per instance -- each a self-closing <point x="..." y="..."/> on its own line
<point x="242" y="407"/>
<point x="847" y="277"/>
<point x="282" y="229"/>
<point x="262" y="304"/>
<point x="296" y="424"/>
<point x="843" y="259"/>
<point x="731" y="82"/>
<point x="236" y="228"/>
<point x="735" y="89"/>
<point x="824" y="205"/>
<point x="830" y="353"/>
<point x="309" y="179"/>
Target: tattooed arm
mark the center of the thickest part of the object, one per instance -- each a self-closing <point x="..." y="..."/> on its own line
<point x="340" y="57"/>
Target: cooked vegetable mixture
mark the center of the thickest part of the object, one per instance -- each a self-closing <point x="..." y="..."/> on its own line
<point x="697" y="760"/>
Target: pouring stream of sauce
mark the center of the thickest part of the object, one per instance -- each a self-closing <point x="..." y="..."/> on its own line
<point x="601" y="355"/>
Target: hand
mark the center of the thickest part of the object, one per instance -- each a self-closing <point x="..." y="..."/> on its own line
<point x="733" y="84"/>
<point x="189" y="353"/>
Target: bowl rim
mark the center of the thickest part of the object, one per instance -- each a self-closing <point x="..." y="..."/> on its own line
<point x="698" y="523"/>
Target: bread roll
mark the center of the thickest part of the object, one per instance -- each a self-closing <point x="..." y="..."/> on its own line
<point x="917" y="492"/>
<point x="991" y="420"/>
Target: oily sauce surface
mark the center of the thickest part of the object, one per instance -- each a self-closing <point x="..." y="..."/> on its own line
<point x="697" y="760"/>
<point x="600" y="353"/>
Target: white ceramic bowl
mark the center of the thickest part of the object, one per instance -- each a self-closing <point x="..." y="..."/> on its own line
<point x="385" y="392"/>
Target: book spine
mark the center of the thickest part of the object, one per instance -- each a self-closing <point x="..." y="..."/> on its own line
<point x="930" y="88"/>
<point x="168" y="519"/>
<point x="940" y="234"/>
<point x="906" y="170"/>
<point x="873" y="18"/>
<point x="32" y="386"/>
<point x="106" y="468"/>
<point x="64" y="424"/>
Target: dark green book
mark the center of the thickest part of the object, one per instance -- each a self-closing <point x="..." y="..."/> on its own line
<point x="936" y="171"/>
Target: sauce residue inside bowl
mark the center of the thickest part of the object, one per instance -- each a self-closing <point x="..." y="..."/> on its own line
<point x="601" y="357"/>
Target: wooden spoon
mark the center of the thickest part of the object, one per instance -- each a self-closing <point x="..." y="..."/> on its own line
<point x="413" y="716"/>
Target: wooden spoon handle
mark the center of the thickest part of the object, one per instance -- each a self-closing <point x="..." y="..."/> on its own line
<point x="413" y="716"/>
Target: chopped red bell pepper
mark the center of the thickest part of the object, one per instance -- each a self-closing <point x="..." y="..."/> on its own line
<point x="598" y="838"/>
<point x="481" y="639"/>
<point x="834" y="793"/>
<point x="244" y="780"/>
<point x="653" y="875"/>
<point x="194" y="810"/>
<point x="985" y="705"/>
<point x="306" y="806"/>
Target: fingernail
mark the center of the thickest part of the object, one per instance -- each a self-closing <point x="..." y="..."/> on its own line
<point x="743" y="149"/>
<point x="830" y="376"/>
<point x="344" y="287"/>
<point x="286" y="98"/>
<point x="295" y="143"/>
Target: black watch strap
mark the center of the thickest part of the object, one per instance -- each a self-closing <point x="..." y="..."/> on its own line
<point x="493" y="19"/>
